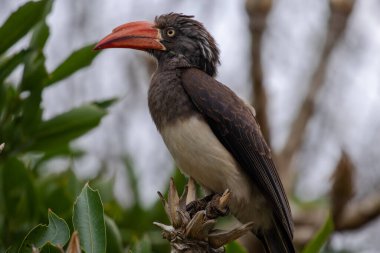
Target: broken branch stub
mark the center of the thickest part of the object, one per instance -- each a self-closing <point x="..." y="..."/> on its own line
<point x="196" y="233"/>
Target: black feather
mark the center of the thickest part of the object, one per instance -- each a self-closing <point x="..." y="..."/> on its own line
<point x="236" y="128"/>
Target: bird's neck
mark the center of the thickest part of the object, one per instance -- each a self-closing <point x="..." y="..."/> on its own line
<point x="171" y="61"/>
<point x="168" y="101"/>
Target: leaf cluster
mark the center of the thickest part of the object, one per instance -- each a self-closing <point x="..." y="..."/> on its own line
<point x="30" y="141"/>
<point x="30" y="144"/>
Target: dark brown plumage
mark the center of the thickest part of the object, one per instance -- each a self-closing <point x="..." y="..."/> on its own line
<point x="236" y="127"/>
<point x="211" y="133"/>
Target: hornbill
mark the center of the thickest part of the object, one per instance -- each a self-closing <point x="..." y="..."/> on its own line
<point x="211" y="133"/>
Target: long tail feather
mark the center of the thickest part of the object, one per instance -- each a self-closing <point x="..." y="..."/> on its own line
<point x="276" y="240"/>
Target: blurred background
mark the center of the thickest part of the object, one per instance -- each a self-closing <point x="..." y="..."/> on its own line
<point x="311" y="68"/>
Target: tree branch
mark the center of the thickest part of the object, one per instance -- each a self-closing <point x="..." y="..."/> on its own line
<point x="193" y="232"/>
<point x="340" y="12"/>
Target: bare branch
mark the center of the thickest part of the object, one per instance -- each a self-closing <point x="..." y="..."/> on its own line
<point x="337" y="23"/>
<point x="359" y="213"/>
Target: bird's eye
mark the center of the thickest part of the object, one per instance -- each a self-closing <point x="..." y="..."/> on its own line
<point x="170" y="32"/>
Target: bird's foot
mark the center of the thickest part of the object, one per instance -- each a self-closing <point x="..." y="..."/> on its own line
<point x="218" y="205"/>
<point x="200" y="204"/>
<point x="215" y="205"/>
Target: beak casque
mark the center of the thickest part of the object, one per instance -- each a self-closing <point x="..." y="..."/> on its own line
<point x="140" y="35"/>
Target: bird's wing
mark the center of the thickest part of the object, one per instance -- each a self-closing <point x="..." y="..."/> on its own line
<point x="234" y="124"/>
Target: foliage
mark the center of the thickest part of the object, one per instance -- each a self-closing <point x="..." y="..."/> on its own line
<point x="26" y="190"/>
<point x="57" y="233"/>
<point x="26" y="193"/>
<point x="88" y="220"/>
<point x="234" y="247"/>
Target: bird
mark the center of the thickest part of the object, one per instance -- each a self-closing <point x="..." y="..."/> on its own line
<point x="211" y="133"/>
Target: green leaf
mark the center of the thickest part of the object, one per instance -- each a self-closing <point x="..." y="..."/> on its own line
<point x="114" y="241"/>
<point x="7" y="66"/>
<point x="235" y="247"/>
<point x="65" y="127"/>
<point x="104" y="104"/>
<point x="77" y="60"/>
<point x="321" y="237"/>
<point x="57" y="233"/>
<point x="9" y="115"/>
<point x="35" y="72"/>
<point x="32" y="81"/>
<point x="20" y="204"/>
<point x="88" y="220"/>
<point x="20" y="22"/>
<point x="41" y="30"/>
<point x="40" y="35"/>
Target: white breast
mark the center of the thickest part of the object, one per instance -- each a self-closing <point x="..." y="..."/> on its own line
<point x="199" y="154"/>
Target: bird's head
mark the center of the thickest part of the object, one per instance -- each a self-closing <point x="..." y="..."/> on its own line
<point x="170" y="36"/>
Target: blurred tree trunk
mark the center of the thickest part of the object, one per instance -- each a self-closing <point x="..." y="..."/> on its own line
<point x="257" y="11"/>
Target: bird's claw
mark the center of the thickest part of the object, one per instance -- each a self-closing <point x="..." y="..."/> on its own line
<point x="200" y="204"/>
<point x="215" y="205"/>
<point x="197" y="234"/>
<point x="218" y="205"/>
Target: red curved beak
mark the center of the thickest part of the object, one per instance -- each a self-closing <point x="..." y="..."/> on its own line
<point x="139" y="35"/>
